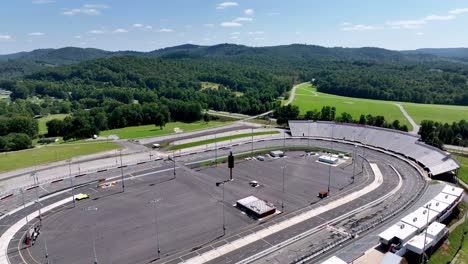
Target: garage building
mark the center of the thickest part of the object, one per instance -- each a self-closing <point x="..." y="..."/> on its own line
<point x="257" y="207"/>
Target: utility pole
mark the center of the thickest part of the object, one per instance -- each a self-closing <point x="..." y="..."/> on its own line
<point x="308" y="135"/>
<point x="425" y="233"/>
<point x="90" y="209"/>
<point x="252" y="142"/>
<point x="173" y="159"/>
<point x="46" y="251"/>
<point x="71" y="182"/>
<point x="121" y="172"/>
<point x="36" y="183"/>
<point x="354" y="162"/>
<point x="330" y="165"/>
<point x="224" y="219"/>
<point x="216" y="152"/>
<point x="282" y="189"/>
<point x="154" y="203"/>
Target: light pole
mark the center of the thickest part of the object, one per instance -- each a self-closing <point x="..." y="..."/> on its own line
<point x="154" y="203"/>
<point x="36" y="183"/>
<point x="308" y="135"/>
<point x="464" y="230"/>
<point x="282" y="189"/>
<point x="46" y="251"/>
<point x="71" y="182"/>
<point x="173" y="159"/>
<point x="251" y="151"/>
<point x="354" y="162"/>
<point x="24" y="207"/>
<point x="425" y="233"/>
<point x="330" y="165"/>
<point x="121" y="172"/>
<point x="90" y="209"/>
<point x="216" y="152"/>
<point x="222" y="204"/>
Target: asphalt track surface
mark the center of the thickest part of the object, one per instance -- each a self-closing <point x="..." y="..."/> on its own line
<point x="189" y="210"/>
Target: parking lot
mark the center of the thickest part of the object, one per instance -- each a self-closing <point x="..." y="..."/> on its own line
<point x="188" y="210"/>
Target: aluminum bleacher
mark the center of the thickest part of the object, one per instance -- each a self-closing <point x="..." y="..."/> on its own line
<point x="434" y="160"/>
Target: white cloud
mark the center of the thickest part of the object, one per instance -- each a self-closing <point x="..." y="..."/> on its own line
<point x="231" y="24"/>
<point x="235" y="33"/>
<point x="148" y="27"/>
<point x="5" y="37"/>
<point x="234" y="37"/>
<point x="77" y="36"/>
<point x="459" y="11"/>
<point x="406" y="24"/>
<point x="243" y="19"/>
<point x="120" y="30"/>
<point x="273" y="14"/>
<point x="226" y="5"/>
<point x="351" y="27"/>
<point x="256" y="33"/>
<point x="249" y="12"/>
<point x="77" y="11"/>
<point x="36" y="34"/>
<point x="41" y="2"/>
<point x="209" y="25"/>
<point x="96" y="32"/>
<point x="419" y="33"/>
<point x="137" y="25"/>
<point x="96" y="6"/>
<point x="166" y="30"/>
<point x="439" y="18"/>
<point x="346" y="24"/>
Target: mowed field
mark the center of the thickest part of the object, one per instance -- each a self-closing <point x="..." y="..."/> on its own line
<point x="307" y="98"/>
<point x="152" y="130"/>
<point x="43" y="120"/>
<point x="26" y="158"/>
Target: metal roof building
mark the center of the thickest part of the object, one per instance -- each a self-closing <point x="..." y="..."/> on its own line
<point x="397" y="233"/>
<point x="334" y="260"/>
<point x="446" y="198"/>
<point x="420" y="218"/>
<point x="437" y="206"/>
<point x="257" y="207"/>
<point x="453" y="190"/>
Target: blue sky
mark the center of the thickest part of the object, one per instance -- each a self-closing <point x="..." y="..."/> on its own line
<point x="145" y="25"/>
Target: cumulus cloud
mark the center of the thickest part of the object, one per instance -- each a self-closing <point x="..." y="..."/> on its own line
<point x="225" y="5"/>
<point x="96" y="32"/>
<point x="231" y="24"/>
<point x="419" y="33"/>
<point x="256" y="33"/>
<point x="36" y="34"/>
<point x="407" y="24"/>
<point x="249" y="12"/>
<point x="235" y="33"/>
<point x="137" y="25"/>
<point x="120" y="30"/>
<point x="5" y="37"/>
<point x="96" y="6"/>
<point x="166" y="30"/>
<point x="459" y="11"/>
<point x="243" y="19"/>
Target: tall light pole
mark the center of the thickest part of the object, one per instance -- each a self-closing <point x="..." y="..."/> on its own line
<point x="154" y="203"/>
<point x="173" y="159"/>
<point x="354" y="162"/>
<point x="282" y="189"/>
<point x="46" y="251"/>
<point x="71" y="182"/>
<point x="36" y="183"/>
<point x="464" y="230"/>
<point x="251" y="151"/>
<point x="216" y="152"/>
<point x="121" y="172"/>
<point x="24" y="207"/>
<point x="308" y="134"/>
<point x="425" y="233"/>
<point x="90" y="209"/>
<point x="330" y="165"/>
<point x="222" y="204"/>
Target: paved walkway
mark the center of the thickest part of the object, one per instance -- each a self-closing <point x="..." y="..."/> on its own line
<point x="410" y="119"/>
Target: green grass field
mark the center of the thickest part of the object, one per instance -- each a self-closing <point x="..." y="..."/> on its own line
<point x="26" y="158"/>
<point x="307" y="98"/>
<point x="463" y="172"/>
<point x="447" y="251"/>
<point x="43" y="120"/>
<point x="152" y="130"/>
<point x="213" y="140"/>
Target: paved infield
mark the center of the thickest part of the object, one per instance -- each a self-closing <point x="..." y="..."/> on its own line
<point x="189" y="211"/>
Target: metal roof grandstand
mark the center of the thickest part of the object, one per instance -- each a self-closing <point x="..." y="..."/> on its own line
<point x="432" y="159"/>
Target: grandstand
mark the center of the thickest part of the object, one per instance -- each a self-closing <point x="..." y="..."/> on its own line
<point x="433" y="160"/>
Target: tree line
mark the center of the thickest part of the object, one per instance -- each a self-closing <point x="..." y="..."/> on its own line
<point x="17" y="132"/>
<point x="328" y="113"/>
<point x="437" y="134"/>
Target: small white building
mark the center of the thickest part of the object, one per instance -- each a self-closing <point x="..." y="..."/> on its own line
<point x="398" y="233"/>
<point x="446" y="198"/>
<point x="437" y="206"/>
<point x="417" y="244"/>
<point x="328" y="159"/>
<point x="420" y="218"/>
<point x="455" y="191"/>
